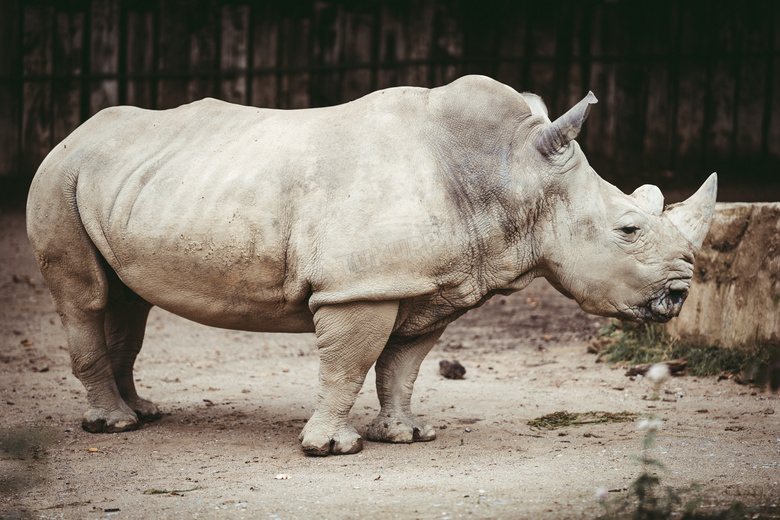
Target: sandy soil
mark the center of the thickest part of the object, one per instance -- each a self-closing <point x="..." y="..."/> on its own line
<point x="234" y="403"/>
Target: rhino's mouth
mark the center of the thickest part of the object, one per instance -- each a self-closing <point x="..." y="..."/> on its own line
<point x="666" y="306"/>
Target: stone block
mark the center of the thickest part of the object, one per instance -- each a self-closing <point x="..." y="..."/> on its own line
<point x="735" y="294"/>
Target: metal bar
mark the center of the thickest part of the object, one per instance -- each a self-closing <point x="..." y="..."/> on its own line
<point x="155" y="84"/>
<point x="708" y="112"/>
<point x="674" y="81"/>
<point x="768" y="88"/>
<point x="250" y="52"/>
<point x="586" y="37"/>
<point x="122" y="62"/>
<point x="86" y="67"/>
<point x="20" y="93"/>
<point x="232" y="73"/>
<point x="221" y="74"/>
<point x="737" y="67"/>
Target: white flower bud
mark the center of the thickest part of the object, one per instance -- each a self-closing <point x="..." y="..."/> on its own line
<point x="658" y="373"/>
<point x="652" y="425"/>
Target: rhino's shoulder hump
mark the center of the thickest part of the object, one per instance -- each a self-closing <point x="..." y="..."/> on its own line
<point x="110" y="115"/>
<point x="479" y="86"/>
<point x="476" y="81"/>
<point x="480" y="98"/>
<point x="212" y="105"/>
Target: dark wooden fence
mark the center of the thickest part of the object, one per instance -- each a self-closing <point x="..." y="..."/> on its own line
<point x="685" y="87"/>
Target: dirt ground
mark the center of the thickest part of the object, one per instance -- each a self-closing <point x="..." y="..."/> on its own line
<point x="234" y="403"/>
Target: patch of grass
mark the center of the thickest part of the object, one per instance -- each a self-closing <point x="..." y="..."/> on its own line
<point x="649" y="343"/>
<point x="556" y="420"/>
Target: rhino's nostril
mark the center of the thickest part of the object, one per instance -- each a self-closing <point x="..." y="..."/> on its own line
<point x="676" y="297"/>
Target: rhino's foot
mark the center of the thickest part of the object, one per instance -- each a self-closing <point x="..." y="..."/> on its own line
<point x="401" y="429"/>
<point x="146" y="410"/>
<point x="318" y="439"/>
<point x="101" y="421"/>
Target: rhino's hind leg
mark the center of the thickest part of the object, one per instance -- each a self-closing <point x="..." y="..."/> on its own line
<point x="350" y="337"/>
<point x="80" y="294"/>
<point x="76" y="276"/>
<point x="396" y="372"/>
<point x="125" y="325"/>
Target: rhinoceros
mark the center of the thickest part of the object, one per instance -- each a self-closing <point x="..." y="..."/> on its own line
<point x="373" y="224"/>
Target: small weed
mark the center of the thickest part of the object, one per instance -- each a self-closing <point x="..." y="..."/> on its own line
<point x="646" y="499"/>
<point x="556" y="420"/>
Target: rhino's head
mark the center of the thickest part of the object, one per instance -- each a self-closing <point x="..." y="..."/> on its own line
<point x="618" y="255"/>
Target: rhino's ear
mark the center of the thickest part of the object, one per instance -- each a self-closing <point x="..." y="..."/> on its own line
<point x="693" y="216"/>
<point x="536" y="104"/>
<point x="649" y="198"/>
<point x="567" y="127"/>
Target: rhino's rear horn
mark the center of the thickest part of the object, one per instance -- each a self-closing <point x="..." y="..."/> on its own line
<point x="567" y="127"/>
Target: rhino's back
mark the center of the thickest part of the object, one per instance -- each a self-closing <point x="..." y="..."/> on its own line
<point x="210" y="158"/>
<point x="222" y="213"/>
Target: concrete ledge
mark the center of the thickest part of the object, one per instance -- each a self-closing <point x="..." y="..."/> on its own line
<point x="735" y="293"/>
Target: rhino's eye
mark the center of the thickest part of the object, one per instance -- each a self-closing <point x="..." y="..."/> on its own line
<point x="629" y="230"/>
<point x="629" y="227"/>
<point x="629" y="233"/>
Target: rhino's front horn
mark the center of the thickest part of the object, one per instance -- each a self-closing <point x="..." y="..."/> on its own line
<point x="567" y="127"/>
<point x="693" y="216"/>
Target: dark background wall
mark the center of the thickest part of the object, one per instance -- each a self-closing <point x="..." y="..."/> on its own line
<point x="685" y="87"/>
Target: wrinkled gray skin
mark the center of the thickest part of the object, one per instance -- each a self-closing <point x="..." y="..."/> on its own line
<point x="373" y="224"/>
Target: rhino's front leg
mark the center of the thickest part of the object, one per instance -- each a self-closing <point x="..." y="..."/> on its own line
<point x="350" y="337"/>
<point x="396" y="372"/>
